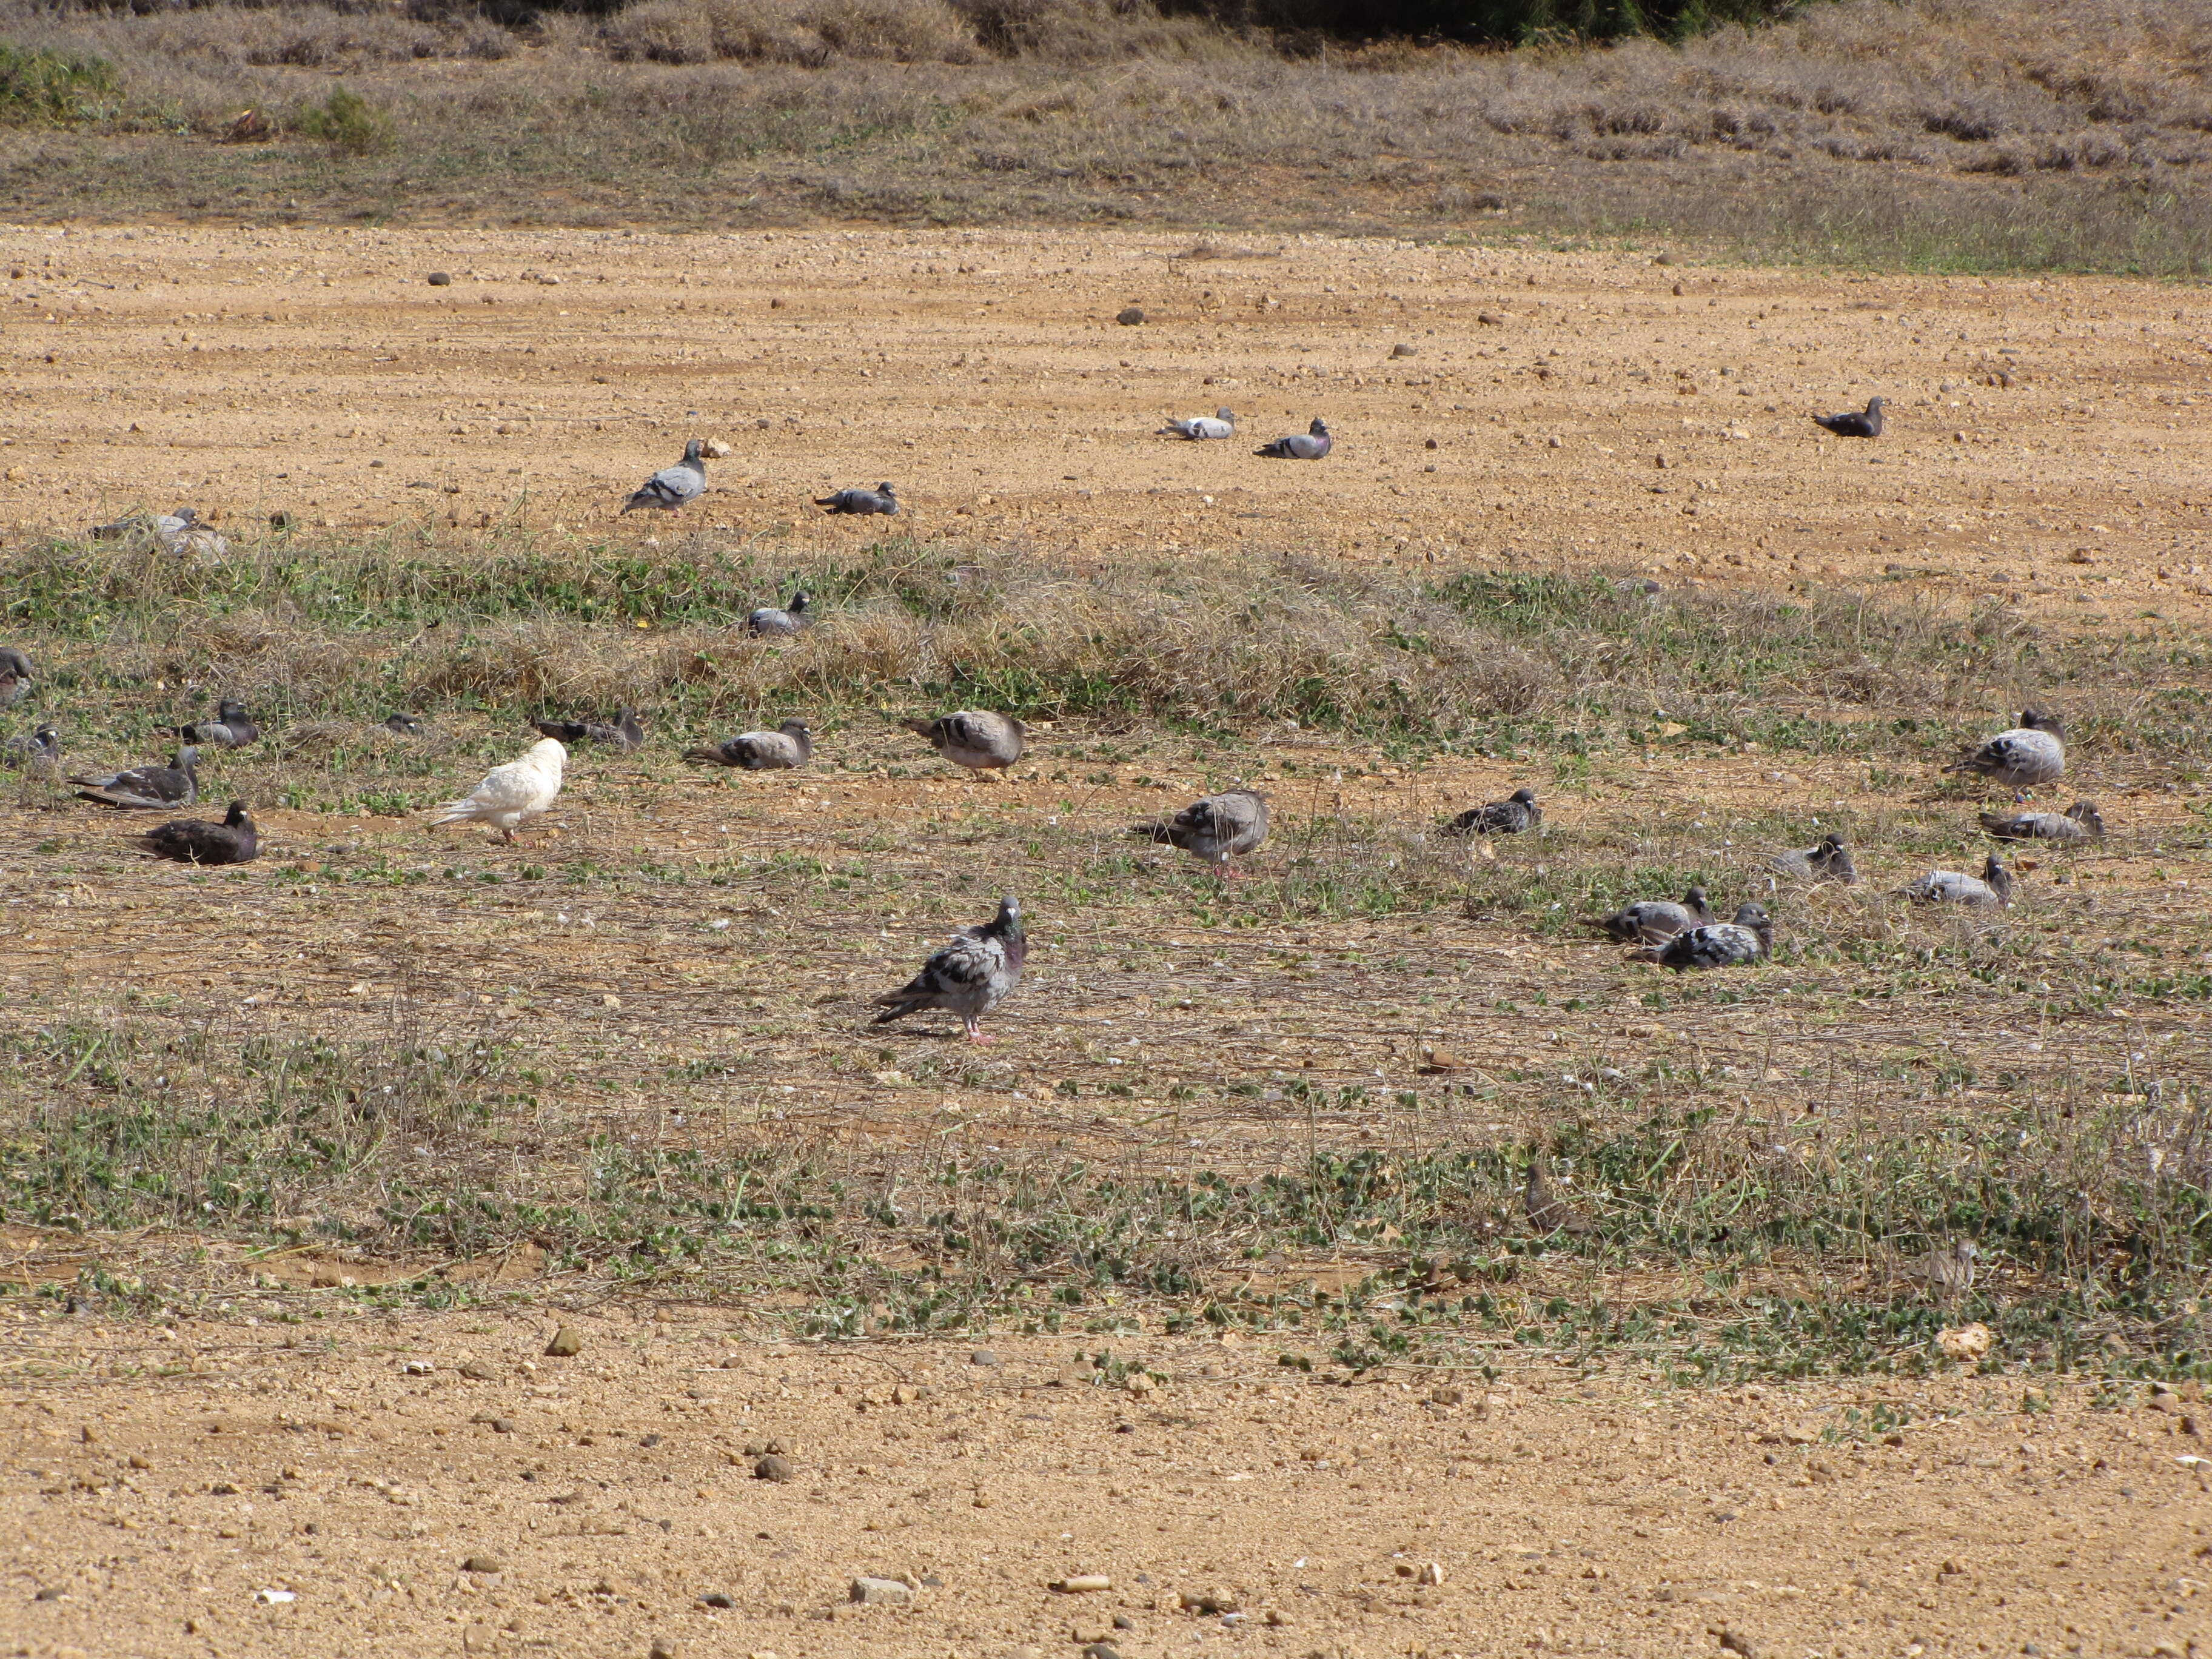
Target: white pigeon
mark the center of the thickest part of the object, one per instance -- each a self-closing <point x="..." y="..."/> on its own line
<point x="1220" y="424"/>
<point x="509" y="794"/>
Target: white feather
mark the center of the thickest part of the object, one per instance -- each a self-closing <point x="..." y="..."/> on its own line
<point x="509" y="794"/>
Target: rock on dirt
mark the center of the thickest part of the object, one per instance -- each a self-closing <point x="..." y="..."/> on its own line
<point x="773" y="1466"/>
<point x="881" y="1593"/>
<point x="567" y="1343"/>
<point x="1130" y="316"/>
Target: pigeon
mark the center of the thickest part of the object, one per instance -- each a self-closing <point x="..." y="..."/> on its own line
<point x="975" y="738"/>
<point x="509" y="794"/>
<point x="1719" y="944"/>
<point x="232" y="728"/>
<point x="147" y="788"/>
<point x="1992" y="888"/>
<point x="769" y="622"/>
<point x="180" y="531"/>
<point x="882" y="499"/>
<point x="2080" y="821"/>
<point x="1220" y="424"/>
<point x="404" y="726"/>
<point x="1516" y="812"/>
<point x="1547" y="1212"/>
<point x="789" y="747"/>
<point x="1830" y="861"/>
<point x="969" y="976"/>
<point x="15" y="676"/>
<point x="1309" y="445"/>
<point x="195" y="840"/>
<point x="2032" y="753"/>
<point x="1853" y="423"/>
<point x="672" y="486"/>
<point x="1949" y="1272"/>
<point x="623" y="732"/>
<point x="1214" y="828"/>
<point x="40" y="750"/>
<point x="1654" y="921"/>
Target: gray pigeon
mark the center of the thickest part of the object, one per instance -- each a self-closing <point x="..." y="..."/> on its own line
<point x="1947" y="1271"/>
<point x="1220" y="424"/>
<point x="1719" y="944"/>
<point x="232" y="728"/>
<point x="1547" y="1212"/>
<point x="39" y="750"/>
<point x="1827" y="861"/>
<point x="1991" y="889"/>
<point x="1516" y="812"/>
<point x="180" y="531"/>
<point x="2030" y="754"/>
<point x="147" y="788"/>
<point x="969" y="976"/>
<point x="673" y="486"/>
<point x="1654" y="921"/>
<point x="882" y="499"/>
<point x="404" y="726"/>
<point x="15" y="676"/>
<point x="789" y="747"/>
<point x="1214" y="828"/>
<point x="195" y="840"/>
<point x="769" y="622"/>
<point x="623" y="732"/>
<point x="1852" y="424"/>
<point x="2080" y="821"/>
<point x="1308" y="446"/>
<point x="975" y="738"/>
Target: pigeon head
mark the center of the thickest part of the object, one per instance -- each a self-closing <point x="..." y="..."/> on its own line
<point x="1873" y="405"/>
<point x="1695" y="899"/>
<point x="2036" y="720"/>
<point x="230" y="709"/>
<point x="1526" y="797"/>
<point x="1754" y="917"/>
<point x="1999" y="878"/>
<point x="547" y="751"/>
<point x="694" y="454"/>
<point x="885" y="489"/>
<point x="236" y="818"/>
<point x="1834" y="843"/>
<point x="2083" y="812"/>
<point x="1009" y="918"/>
<point x="799" y="601"/>
<point x="406" y="723"/>
<point x="1319" y="428"/>
<point x="793" y="728"/>
<point x="1223" y="415"/>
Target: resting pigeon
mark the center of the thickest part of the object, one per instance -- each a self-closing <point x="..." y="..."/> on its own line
<point x="404" y="726"/>
<point x="2032" y="753"/>
<point x="40" y="750"/>
<point x="1220" y="424"/>
<point x="195" y="840"/>
<point x="232" y="728"/>
<point x="1214" y="828"/>
<point x="1309" y="445"/>
<point x="1828" y="860"/>
<point x="769" y="622"/>
<point x="789" y="747"/>
<point x="1653" y="921"/>
<point x="1993" y="887"/>
<point x="180" y="531"/>
<point x="1852" y="423"/>
<point x="147" y="788"/>
<point x="1516" y="812"/>
<point x="1719" y="944"/>
<point x="2080" y="821"/>
<point x="882" y="499"/>
<point x="15" y="676"/>
<point x="969" y="976"/>
<point x="1947" y="1271"/>
<point x="1547" y="1212"/>
<point x="509" y="794"/>
<point x="623" y="732"/>
<point x="975" y="738"/>
<point x="672" y="486"/>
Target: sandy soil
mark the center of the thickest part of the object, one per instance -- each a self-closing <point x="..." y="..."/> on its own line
<point x="2042" y="447"/>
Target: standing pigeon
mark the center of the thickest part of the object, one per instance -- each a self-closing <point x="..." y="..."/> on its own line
<point x="1852" y="424"/>
<point x="2080" y="821"/>
<point x="1547" y="1212"/>
<point x="2032" y="753"/>
<point x="15" y="676"/>
<point x="1828" y="860"/>
<point x="1654" y="921"/>
<point x="975" y="738"/>
<point x="969" y="976"/>
<point x="623" y="732"/>
<point x="1719" y="944"/>
<point x="231" y="727"/>
<point x="1309" y="445"/>
<point x="1214" y="828"/>
<point x="147" y="788"/>
<point x="1220" y="424"/>
<point x="509" y="794"/>
<point x="195" y="840"/>
<point x="673" y="486"/>
<point x="882" y="499"/>
<point x="789" y="747"/>
<point x="1991" y="889"/>
<point x="1516" y="812"/>
<point x="769" y="622"/>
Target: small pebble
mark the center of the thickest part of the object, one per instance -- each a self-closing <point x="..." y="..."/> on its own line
<point x="774" y="1467"/>
<point x="982" y="1356"/>
<point x="1401" y="349"/>
<point x="440" y="279"/>
<point x="1130" y="316"/>
<point x="717" y="1599"/>
<point x="881" y="1593"/>
<point x="566" y="1343"/>
<point x="482" y="1564"/>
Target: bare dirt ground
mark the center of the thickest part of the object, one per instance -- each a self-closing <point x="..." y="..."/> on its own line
<point x="2042" y="451"/>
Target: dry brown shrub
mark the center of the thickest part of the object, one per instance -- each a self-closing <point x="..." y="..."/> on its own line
<point x="789" y="31"/>
<point x="535" y="662"/>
